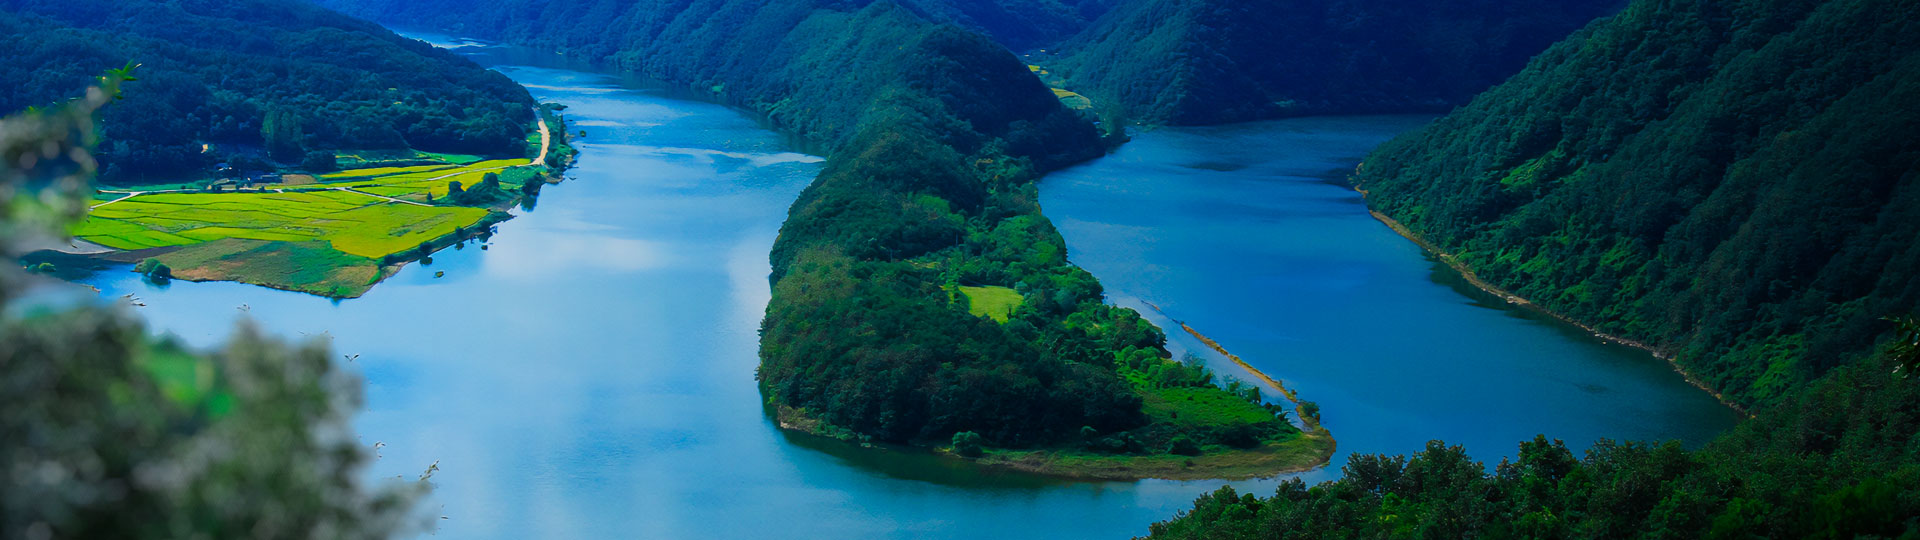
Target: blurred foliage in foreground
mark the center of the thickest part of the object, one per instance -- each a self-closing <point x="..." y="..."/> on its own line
<point x="105" y="433"/>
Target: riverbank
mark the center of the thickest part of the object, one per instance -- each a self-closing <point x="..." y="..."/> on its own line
<point x="1302" y="451"/>
<point x="1310" y="423"/>
<point x="1474" y="279"/>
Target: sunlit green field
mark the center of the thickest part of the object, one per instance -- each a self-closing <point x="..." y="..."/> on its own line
<point x="352" y="223"/>
<point x="331" y="237"/>
<point x="417" y="182"/>
<point x="376" y="158"/>
<point x="995" y="302"/>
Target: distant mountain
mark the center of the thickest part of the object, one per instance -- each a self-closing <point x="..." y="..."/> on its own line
<point x="1217" y="61"/>
<point x="216" y="72"/>
<point x="1736" y="183"/>
<point x="1021" y="25"/>
<point x="789" y="60"/>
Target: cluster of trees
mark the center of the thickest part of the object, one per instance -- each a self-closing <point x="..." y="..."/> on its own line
<point x="1216" y="61"/>
<point x="102" y="437"/>
<point x="1838" y="460"/>
<point x="1730" y="182"/>
<point x="936" y="135"/>
<point x="257" y="80"/>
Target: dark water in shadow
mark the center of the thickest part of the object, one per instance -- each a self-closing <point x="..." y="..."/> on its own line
<point x="1248" y="233"/>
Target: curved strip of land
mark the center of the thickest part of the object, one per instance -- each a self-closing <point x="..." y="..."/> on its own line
<point x="1311" y="423"/>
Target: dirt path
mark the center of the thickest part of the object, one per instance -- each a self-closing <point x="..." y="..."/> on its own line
<point x="130" y="194"/>
<point x="546" y="139"/>
<point x="351" y="190"/>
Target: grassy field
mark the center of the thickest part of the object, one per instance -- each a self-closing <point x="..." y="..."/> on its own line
<point x="352" y="223"/>
<point x="417" y="182"/>
<point x="995" y="302"/>
<point x="326" y="235"/>
<point x="378" y="158"/>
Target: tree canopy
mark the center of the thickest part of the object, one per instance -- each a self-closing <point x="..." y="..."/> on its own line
<point x="253" y="80"/>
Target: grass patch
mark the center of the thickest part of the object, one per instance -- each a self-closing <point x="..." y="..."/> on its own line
<point x="384" y="158"/>
<point x="1072" y="100"/>
<point x="1201" y="408"/>
<point x="995" y="302"/>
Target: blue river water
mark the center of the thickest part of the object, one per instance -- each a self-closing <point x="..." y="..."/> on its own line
<point x="588" y="373"/>
<point x="1249" y="234"/>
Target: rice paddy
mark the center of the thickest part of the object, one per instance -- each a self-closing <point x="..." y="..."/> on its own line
<point x="326" y="235"/>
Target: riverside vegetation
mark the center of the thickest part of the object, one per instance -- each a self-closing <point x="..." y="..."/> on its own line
<point x="305" y="91"/>
<point x="1728" y="183"/>
<point x="936" y="135"/>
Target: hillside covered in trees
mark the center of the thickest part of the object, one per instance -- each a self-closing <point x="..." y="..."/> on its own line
<point x="936" y="135"/>
<point x="1730" y="182"/>
<point x="252" y="81"/>
<point x="1218" y="61"/>
<point x="594" y="29"/>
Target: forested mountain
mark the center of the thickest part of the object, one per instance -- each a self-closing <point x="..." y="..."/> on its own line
<point x="1733" y="182"/>
<point x="797" y="62"/>
<point x="936" y="135"/>
<point x="1730" y="182"/>
<point x="595" y="28"/>
<point x="1216" y="61"/>
<point x="252" y="78"/>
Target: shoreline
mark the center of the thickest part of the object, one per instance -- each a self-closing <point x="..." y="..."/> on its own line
<point x="1312" y="424"/>
<point x="1516" y="300"/>
<point x="1266" y="461"/>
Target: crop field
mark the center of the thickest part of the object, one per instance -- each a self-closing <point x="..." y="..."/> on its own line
<point x="329" y="235"/>
<point x="415" y="183"/>
<point x="353" y="223"/>
<point x="376" y="158"/>
<point x="357" y="222"/>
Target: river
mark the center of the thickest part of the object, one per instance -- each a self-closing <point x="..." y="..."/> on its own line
<point x="1249" y="234"/>
<point x="588" y="373"/>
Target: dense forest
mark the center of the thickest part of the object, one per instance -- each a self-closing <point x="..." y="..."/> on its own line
<point x="1730" y="182"/>
<point x="1216" y="61"/>
<point x="595" y="29"/>
<point x="253" y="81"/>
<point x="936" y="135"/>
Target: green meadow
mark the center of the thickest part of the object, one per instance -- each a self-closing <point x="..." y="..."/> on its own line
<point x="995" y="302"/>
